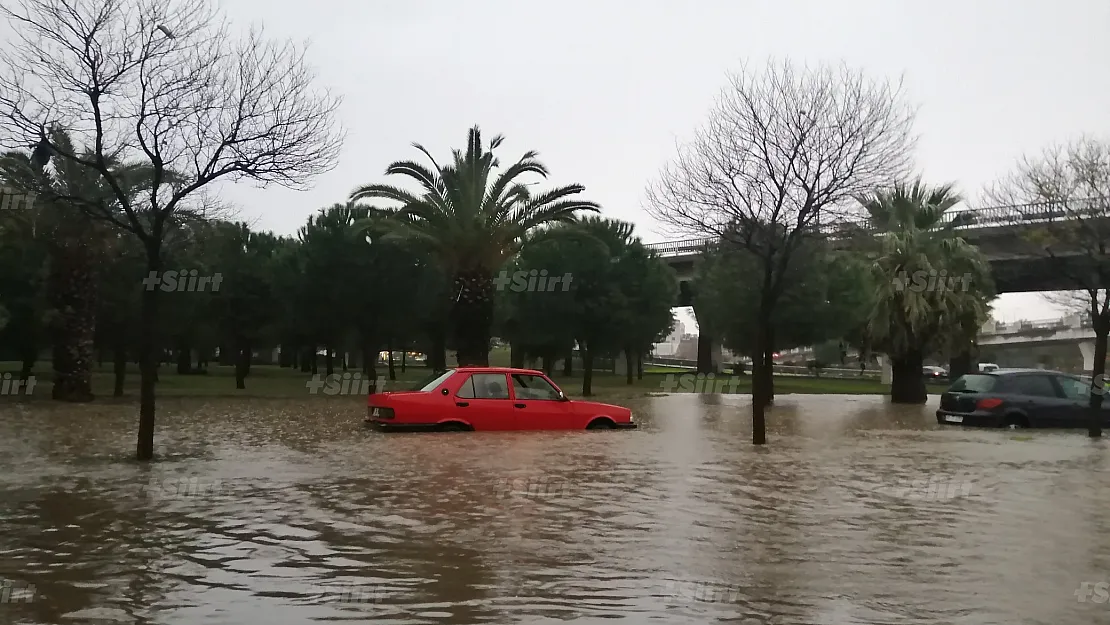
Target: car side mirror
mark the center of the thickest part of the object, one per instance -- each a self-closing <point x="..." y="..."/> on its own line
<point x="563" y="396"/>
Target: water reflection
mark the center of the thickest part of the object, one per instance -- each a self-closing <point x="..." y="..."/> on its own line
<point x="291" y="512"/>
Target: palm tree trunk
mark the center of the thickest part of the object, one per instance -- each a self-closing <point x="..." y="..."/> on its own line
<point x="472" y="316"/>
<point x="907" y="385"/>
<point x="73" y="291"/>
<point x="629" y="364"/>
<point x="568" y="364"/>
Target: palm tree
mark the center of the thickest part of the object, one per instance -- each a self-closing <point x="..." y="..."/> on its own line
<point x="473" y="218"/>
<point x="77" y="246"/>
<point x="932" y="286"/>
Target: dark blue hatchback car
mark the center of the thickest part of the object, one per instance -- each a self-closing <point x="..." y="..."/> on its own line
<point x="1019" y="398"/>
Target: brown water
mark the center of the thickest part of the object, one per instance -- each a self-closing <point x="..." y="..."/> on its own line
<point x="275" y="512"/>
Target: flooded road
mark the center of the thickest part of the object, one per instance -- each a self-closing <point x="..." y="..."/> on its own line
<point x="283" y="512"/>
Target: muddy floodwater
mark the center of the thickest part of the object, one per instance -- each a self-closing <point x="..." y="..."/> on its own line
<point x="290" y="512"/>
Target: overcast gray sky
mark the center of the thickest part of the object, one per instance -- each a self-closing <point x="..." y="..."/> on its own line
<point x="604" y="88"/>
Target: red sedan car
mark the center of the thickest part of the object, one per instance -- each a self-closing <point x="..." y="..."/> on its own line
<point x="490" y="398"/>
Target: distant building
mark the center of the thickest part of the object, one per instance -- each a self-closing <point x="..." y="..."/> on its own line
<point x="670" y="345"/>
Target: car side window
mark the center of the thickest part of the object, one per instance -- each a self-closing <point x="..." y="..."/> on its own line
<point x="484" y="386"/>
<point x="533" y="387"/>
<point x="1034" y="386"/>
<point x="1073" y="388"/>
<point x="466" y="391"/>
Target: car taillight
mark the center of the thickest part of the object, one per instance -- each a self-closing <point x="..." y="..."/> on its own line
<point x="989" y="403"/>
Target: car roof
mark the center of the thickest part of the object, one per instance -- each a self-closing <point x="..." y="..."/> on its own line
<point x="498" y="370"/>
<point x="1018" y="371"/>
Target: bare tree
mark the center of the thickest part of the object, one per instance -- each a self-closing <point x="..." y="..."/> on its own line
<point x="1064" y="193"/>
<point x="165" y="88"/>
<point x="783" y="154"/>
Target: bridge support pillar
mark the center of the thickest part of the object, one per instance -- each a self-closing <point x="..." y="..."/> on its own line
<point x="1087" y="349"/>
<point x="887" y="373"/>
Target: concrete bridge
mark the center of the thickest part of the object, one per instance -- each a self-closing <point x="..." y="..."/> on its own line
<point x="1017" y="264"/>
<point x="1000" y="233"/>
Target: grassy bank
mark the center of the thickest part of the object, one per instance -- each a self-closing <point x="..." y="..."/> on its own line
<point x="272" y="381"/>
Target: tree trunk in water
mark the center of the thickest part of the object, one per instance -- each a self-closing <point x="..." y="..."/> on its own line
<point x="438" y="358"/>
<point x="639" y="366"/>
<point x="242" y="365"/>
<point x="392" y="367"/>
<point x="960" y="365"/>
<point x="184" y="357"/>
<point x="306" y="360"/>
<point x="329" y="361"/>
<point x="629" y="366"/>
<point x="547" y="361"/>
<point x="760" y="392"/>
<point x="314" y="362"/>
<point x="1098" y="381"/>
<point x="148" y="360"/>
<point x="587" y="370"/>
<point x="404" y="354"/>
<point x="568" y="365"/>
<point x="907" y="385"/>
<point x="471" y="317"/>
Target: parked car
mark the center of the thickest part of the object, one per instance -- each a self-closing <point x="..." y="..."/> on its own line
<point x="987" y="367"/>
<point x="491" y="398"/>
<point x="932" y="373"/>
<point x="1018" y="398"/>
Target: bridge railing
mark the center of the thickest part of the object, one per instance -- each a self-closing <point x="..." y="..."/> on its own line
<point x="1038" y="212"/>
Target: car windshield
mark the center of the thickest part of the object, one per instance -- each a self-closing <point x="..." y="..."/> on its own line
<point x="432" y="381"/>
<point x="972" y="383"/>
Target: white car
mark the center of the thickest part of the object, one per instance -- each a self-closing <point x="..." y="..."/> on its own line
<point x="987" y="367"/>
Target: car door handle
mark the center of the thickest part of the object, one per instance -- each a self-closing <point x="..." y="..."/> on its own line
<point x="462" y="404"/>
<point x="521" y="405"/>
